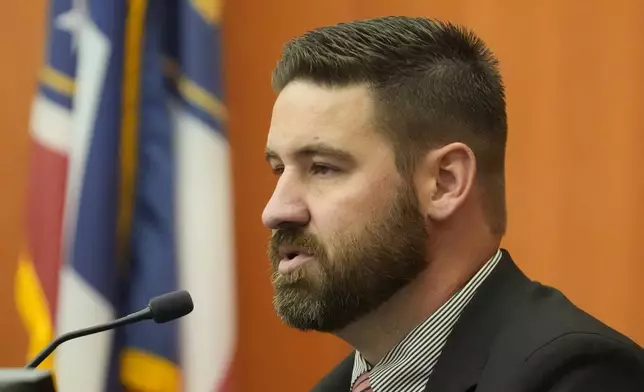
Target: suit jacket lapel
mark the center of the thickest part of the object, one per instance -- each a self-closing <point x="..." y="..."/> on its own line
<point x="467" y="347"/>
<point x="339" y="379"/>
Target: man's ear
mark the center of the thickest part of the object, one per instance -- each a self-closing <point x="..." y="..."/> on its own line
<point x="444" y="179"/>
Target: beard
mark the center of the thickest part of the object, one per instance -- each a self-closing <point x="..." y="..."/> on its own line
<point x="361" y="272"/>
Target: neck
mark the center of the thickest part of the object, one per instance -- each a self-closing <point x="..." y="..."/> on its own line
<point x="375" y="334"/>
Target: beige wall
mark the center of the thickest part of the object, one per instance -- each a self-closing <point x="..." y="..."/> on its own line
<point x="574" y="183"/>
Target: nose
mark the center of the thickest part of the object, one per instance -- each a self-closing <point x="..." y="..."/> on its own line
<point x="286" y="207"/>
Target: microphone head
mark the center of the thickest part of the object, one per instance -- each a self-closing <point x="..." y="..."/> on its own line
<point x="170" y="306"/>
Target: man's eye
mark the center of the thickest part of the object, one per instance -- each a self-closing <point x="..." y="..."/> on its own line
<point x="278" y="170"/>
<point x="318" y="168"/>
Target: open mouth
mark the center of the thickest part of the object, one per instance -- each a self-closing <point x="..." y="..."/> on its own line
<point x="291" y="252"/>
<point x="292" y="259"/>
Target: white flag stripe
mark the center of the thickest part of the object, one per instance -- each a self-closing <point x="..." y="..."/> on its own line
<point x="82" y="364"/>
<point x="51" y="125"/>
<point x="205" y="247"/>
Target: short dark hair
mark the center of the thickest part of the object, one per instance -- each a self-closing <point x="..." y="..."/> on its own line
<point x="433" y="83"/>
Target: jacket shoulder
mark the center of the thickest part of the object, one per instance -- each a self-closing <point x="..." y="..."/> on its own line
<point x="550" y="316"/>
<point x="551" y="337"/>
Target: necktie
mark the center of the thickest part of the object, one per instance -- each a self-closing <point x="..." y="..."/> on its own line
<point x="362" y="383"/>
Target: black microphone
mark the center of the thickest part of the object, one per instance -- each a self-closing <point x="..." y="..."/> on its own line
<point x="161" y="309"/>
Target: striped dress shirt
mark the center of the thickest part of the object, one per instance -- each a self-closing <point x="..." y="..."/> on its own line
<point x="409" y="364"/>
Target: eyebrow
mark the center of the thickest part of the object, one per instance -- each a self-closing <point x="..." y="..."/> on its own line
<point x="315" y="149"/>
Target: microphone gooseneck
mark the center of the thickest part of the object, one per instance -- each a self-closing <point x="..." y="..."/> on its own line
<point x="161" y="309"/>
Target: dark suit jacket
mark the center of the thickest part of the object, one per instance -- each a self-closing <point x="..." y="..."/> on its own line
<point x="517" y="335"/>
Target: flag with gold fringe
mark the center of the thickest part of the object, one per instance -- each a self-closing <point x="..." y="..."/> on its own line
<point x="130" y="196"/>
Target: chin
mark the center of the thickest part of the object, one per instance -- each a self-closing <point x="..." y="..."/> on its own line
<point x="302" y="311"/>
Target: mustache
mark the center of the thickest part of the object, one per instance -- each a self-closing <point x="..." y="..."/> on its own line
<point x="297" y="237"/>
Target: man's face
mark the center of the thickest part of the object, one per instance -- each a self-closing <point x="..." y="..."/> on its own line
<point x="346" y="229"/>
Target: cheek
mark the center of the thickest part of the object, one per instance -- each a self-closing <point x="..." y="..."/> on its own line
<point x="347" y="209"/>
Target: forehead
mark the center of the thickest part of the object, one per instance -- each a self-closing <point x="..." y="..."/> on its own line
<point x="305" y="113"/>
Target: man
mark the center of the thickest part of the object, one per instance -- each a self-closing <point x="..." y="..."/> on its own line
<point x="388" y="142"/>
